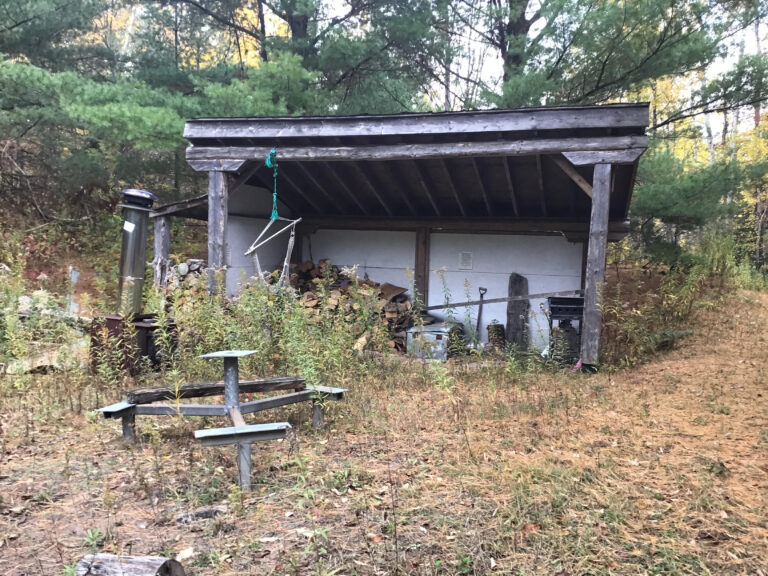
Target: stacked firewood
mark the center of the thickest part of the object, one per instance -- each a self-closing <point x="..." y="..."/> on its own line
<point x="392" y="300"/>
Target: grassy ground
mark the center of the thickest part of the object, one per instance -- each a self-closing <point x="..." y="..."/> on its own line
<point x="660" y="469"/>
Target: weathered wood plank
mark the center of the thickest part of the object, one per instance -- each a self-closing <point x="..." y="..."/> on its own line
<point x="319" y="187"/>
<point x="452" y="188"/>
<point x="421" y="180"/>
<point x="595" y="273"/>
<point x="312" y="394"/>
<point x="420" y="151"/>
<point x="578" y="158"/>
<point x="519" y="304"/>
<point x="111" y="565"/>
<point x="237" y="434"/>
<point x="180" y="409"/>
<point x="514" y="298"/>
<point x="161" y="261"/>
<point x="341" y="185"/>
<point x="460" y="225"/>
<point x="218" y="216"/>
<point x="173" y="207"/>
<point x="216" y="165"/>
<point x="493" y="121"/>
<point x="510" y="184"/>
<point x="202" y="389"/>
<point x="421" y="265"/>
<point x="572" y="173"/>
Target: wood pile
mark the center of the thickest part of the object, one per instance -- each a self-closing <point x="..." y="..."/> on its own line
<point x="393" y="303"/>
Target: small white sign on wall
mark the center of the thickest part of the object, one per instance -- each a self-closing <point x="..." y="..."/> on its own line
<point x="465" y="260"/>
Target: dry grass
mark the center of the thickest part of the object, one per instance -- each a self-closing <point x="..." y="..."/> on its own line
<point x="661" y="469"/>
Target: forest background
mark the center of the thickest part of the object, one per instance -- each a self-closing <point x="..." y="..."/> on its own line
<point x="94" y="94"/>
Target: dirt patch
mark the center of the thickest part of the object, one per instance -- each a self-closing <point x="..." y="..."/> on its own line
<point x="660" y="469"/>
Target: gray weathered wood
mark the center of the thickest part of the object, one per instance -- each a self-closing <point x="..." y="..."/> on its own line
<point x="595" y="273"/>
<point x="421" y="180"/>
<point x="421" y="265"/>
<point x="231" y="383"/>
<point x="419" y="151"/>
<point x="308" y="197"/>
<point x="244" y="465"/>
<point x="244" y="176"/>
<point x="572" y="173"/>
<point x="317" y="414"/>
<point x="183" y="409"/>
<point x="578" y="158"/>
<point x="237" y="434"/>
<point x="517" y="311"/>
<point x="217" y="165"/>
<point x="181" y="205"/>
<point x="129" y="426"/>
<point x="364" y="175"/>
<point x="218" y="215"/>
<point x="452" y="188"/>
<point x="506" y="299"/>
<point x="331" y="197"/>
<point x="161" y="260"/>
<point x="341" y="185"/>
<point x="310" y="394"/>
<point x="111" y="565"/>
<point x="481" y="186"/>
<point x="203" y="389"/>
<point x="493" y="121"/>
<point x="510" y="184"/>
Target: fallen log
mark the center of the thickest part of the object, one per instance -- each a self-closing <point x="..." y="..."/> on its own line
<point x="111" y="565"/>
<point x="201" y="389"/>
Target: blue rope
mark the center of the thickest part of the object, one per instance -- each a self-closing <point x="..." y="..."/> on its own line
<point x="271" y="162"/>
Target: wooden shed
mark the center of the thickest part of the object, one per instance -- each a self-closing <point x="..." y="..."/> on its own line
<point x="477" y="194"/>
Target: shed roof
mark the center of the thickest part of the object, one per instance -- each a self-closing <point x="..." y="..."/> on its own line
<point x="490" y="165"/>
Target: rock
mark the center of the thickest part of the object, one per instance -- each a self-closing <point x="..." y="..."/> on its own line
<point x="182" y="269"/>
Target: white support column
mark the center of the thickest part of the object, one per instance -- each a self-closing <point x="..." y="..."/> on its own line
<point x="595" y="271"/>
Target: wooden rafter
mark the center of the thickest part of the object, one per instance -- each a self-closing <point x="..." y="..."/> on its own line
<point x="510" y="184"/>
<point x="483" y="189"/>
<point x="572" y="173"/>
<point x="344" y="188"/>
<point x="312" y="180"/>
<point x="421" y="180"/>
<point x="452" y="188"/>
<point x="307" y="197"/>
<point x="540" y="180"/>
<point x="365" y="178"/>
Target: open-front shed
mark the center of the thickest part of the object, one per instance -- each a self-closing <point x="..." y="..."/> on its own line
<point x="478" y="195"/>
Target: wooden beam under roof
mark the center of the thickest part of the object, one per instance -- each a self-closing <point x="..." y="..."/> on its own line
<point x="572" y="173"/>
<point x="343" y="187"/>
<point x="451" y="187"/>
<point x="510" y="183"/>
<point x="245" y="175"/>
<point x="540" y="180"/>
<point x="307" y="197"/>
<point x="365" y="178"/>
<point x="203" y="155"/>
<point x="483" y="189"/>
<point x="312" y="180"/>
<point x="421" y="180"/>
<point x="550" y="118"/>
<point x="399" y="186"/>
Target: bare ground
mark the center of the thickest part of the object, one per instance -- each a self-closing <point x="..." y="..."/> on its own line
<point x="661" y="469"/>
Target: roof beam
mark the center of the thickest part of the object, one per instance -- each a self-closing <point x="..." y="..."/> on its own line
<point x="420" y="178"/>
<point x="198" y="154"/>
<point x="344" y="188"/>
<point x="510" y="184"/>
<point x="483" y="189"/>
<point x="586" y="158"/>
<point x="312" y="180"/>
<point x="540" y="180"/>
<point x="551" y="118"/>
<point x="362" y="172"/>
<point x="400" y="187"/>
<point x="246" y="175"/>
<point x="451" y="187"/>
<point x="307" y="197"/>
<point x="462" y="225"/>
<point x="572" y="173"/>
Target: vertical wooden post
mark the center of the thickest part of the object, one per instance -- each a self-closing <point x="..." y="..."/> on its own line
<point x="421" y="265"/>
<point x="218" y="199"/>
<point x="595" y="273"/>
<point x="231" y="384"/>
<point x="162" y="250"/>
<point x="317" y="414"/>
<point x="129" y="427"/>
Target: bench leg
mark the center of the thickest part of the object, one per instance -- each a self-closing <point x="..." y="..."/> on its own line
<point x="244" y="465"/>
<point x="317" y="414"/>
<point x="129" y="427"/>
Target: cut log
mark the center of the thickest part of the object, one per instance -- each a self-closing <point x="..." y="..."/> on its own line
<point x="111" y="565"/>
<point x="517" y="312"/>
<point x="201" y="389"/>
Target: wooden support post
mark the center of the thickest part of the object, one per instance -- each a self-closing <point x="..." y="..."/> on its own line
<point x="244" y="465"/>
<point x="129" y="427"/>
<point x="231" y="383"/>
<point x="595" y="272"/>
<point x="317" y="414"/>
<point x="218" y="213"/>
<point x="162" y="250"/>
<point x="421" y="266"/>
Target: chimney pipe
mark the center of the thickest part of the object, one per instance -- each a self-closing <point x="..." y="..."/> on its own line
<point x="136" y="206"/>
